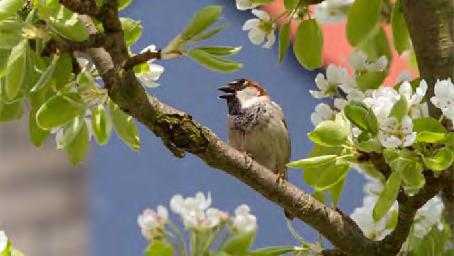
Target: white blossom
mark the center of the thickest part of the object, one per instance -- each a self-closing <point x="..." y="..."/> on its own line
<point x="322" y="112"/>
<point x="444" y="97"/>
<point x="427" y="217"/>
<point x="180" y="205"/>
<point x="261" y="28"/>
<point x="372" y="229"/>
<point x="149" y="78"/>
<point x="245" y="5"/>
<point x="332" y="11"/>
<point x="243" y="220"/>
<point x="416" y="107"/>
<point x="151" y="222"/>
<point x="355" y="95"/>
<point x="335" y="77"/>
<point x="360" y="62"/>
<point x="195" y="213"/>
<point x="393" y="133"/>
<point x="381" y="101"/>
<point x="3" y="241"/>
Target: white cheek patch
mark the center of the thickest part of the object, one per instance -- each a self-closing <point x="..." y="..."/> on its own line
<point x="247" y="96"/>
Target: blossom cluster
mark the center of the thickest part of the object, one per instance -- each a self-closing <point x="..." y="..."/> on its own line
<point x="196" y="214"/>
<point x="393" y="132"/>
<point x="261" y="29"/>
<point x="427" y="217"/>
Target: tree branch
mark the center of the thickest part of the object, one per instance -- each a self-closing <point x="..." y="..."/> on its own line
<point x="141" y="58"/>
<point x="93" y="41"/>
<point x="87" y="7"/>
<point x="431" y="26"/>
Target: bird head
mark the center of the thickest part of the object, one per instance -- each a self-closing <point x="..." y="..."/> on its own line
<point x="242" y="93"/>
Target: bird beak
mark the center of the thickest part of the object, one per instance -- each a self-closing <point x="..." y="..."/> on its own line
<point x="228" y="92"/>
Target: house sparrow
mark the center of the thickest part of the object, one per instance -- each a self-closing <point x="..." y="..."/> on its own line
<point x="256" y="125"/>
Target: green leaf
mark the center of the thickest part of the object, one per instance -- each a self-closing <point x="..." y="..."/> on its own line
<point x="401" y="36"/>
<point x="372" y="122"/>
<point x="449" y="141"/>
<point x="59" y="110"/>
<point x="430" y="137"/>
<point x="207" y="34"/>
<point x="201" y="21"/>
<point x="361" y="116"/>
<point x="64" y="22"/>
<point x="387" y="196"/>
<point x="10" y="7"/>
<point x="213" y="62"/>
<point x="15" y="71"/>
<point x="290" y="4"/>
<point x="240" y="243"/>
<point x="331" y="175"/>
<point x="336" y="190"/>
<point x="78" y="148"/>
<point x="11" y="112"/>
<point x="47" y="74"/>
<point x="390" y="154"/>
<point x="429" y="124"/>
<point x="410" y="171"/>
<point x="391" y="224"/>
<point x="308" y="45"/>
<point x="377" y="45"/>
<point x="11" y="31"/>
<point x="63" y="71"/>
<point x="370" y="80"/>
<point x="400" y="108"/>
<point x="132" y="30"/>
<point x="123" y="4"/>
<point x="362" y="20"/>
<point x="102" y="126"/>
<point x="220" y="50"/>
<point x="441" y="161"/>
<point x="4" y="56"/>
<point x="35" y="67"/>
<point x="284" y="40"/>
<point x="70" y="131"/>
<point x="320" y="196"/>
<point x="160" y="248"/>
<point x="312" y="162"/>
<point x="37" y="135"/>
<point x="124" y="126"/>
<point x="328" y="133"/>
<point x="370" y="145"/>
<point x="273" y="251"/>
<point x="311" y="174"/>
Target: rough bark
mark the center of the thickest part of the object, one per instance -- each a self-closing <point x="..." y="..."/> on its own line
<point x="431" y="27"/>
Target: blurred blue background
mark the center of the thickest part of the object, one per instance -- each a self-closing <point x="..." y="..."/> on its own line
<point x="123" y="183"/>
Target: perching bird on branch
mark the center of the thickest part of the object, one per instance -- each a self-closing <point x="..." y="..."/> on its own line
<point x="257" y="126"/>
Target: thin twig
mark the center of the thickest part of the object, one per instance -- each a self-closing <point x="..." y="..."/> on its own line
<point x="141" y="58"/>
<point x="93" y="41"/>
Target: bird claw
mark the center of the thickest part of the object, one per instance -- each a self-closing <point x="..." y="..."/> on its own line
<point x="247" y="158"/>
<point x="280" y="177"/>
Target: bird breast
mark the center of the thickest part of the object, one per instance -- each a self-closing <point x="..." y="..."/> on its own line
<point x="260" y="130"/>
